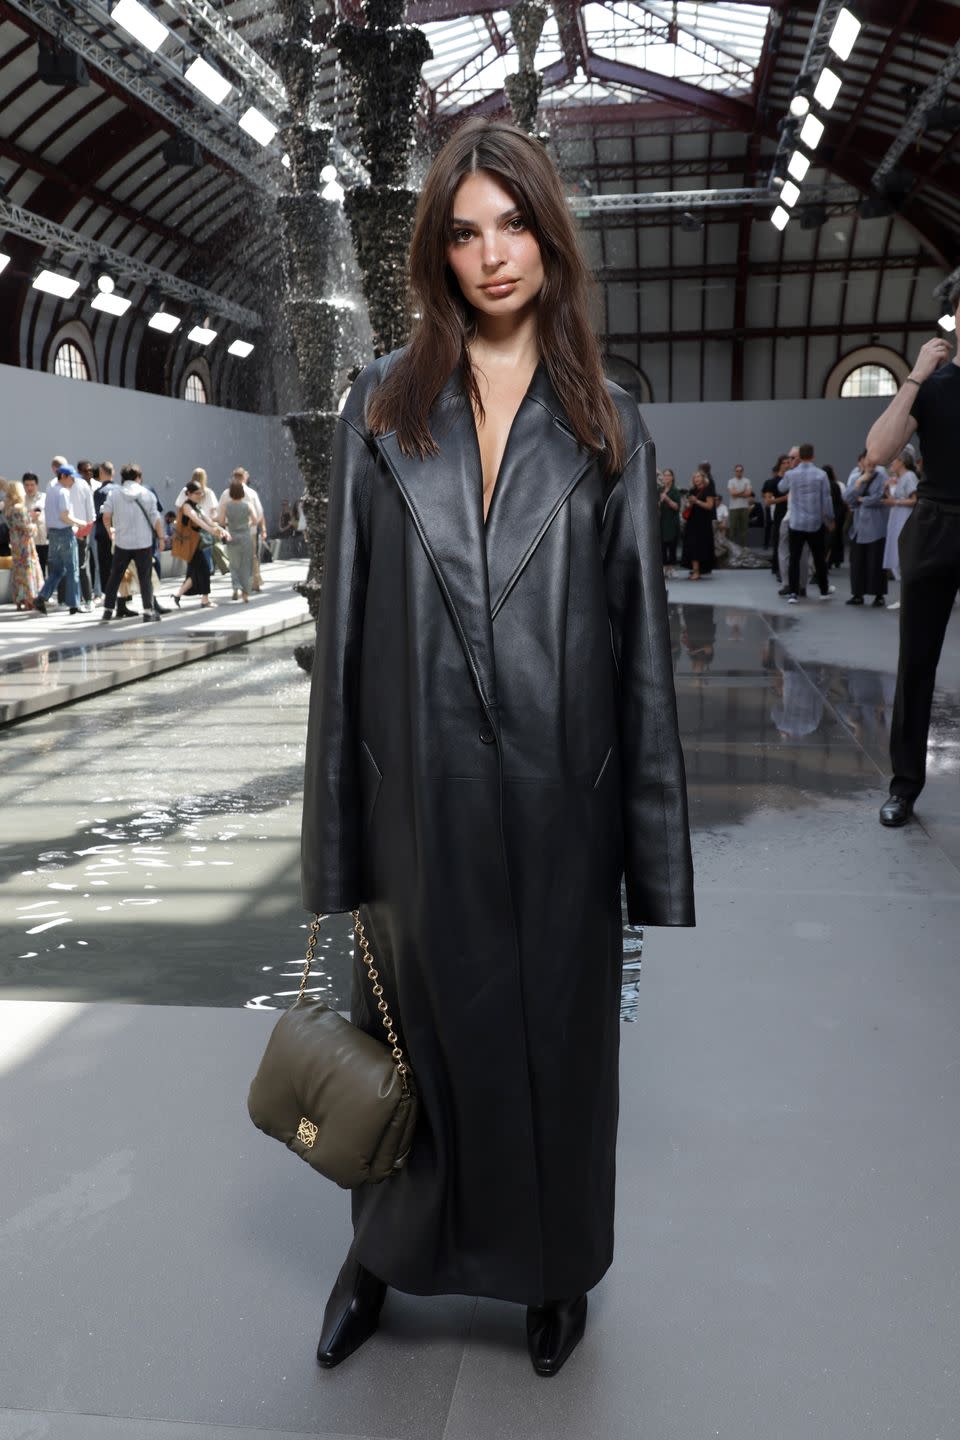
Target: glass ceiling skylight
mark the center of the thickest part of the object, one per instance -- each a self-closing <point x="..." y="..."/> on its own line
<point x="716" y="46"/>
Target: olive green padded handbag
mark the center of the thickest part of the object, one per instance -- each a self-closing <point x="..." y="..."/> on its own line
<point x="341" y="1100"/>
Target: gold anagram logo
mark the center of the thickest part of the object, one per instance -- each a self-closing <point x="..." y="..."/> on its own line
<point x="307" y="1132"/>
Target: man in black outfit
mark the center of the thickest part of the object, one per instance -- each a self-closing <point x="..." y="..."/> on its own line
<point x="927" y="403"/>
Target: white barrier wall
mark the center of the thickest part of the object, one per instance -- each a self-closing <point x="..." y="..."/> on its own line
<point x="45" y="415"/>
<point x="755" y="432"/>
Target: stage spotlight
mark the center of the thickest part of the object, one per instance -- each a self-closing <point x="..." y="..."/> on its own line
<point x="106" y="283"/>
<point x="827" y="90"/>
<point x="798" y="165"/>
<point x="780" y="217"/>
<point x="790" y="193"/>
<point x="844" y="34"/>
<point x="240" y="348"/>
<point x="800" y="102"/>
<point x="53" y="284"/>
<point x="811" y="132"/>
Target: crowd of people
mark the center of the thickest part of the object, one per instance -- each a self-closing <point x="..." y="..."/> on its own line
<point x="806" y="516"/>
<point x="84" y="536"/>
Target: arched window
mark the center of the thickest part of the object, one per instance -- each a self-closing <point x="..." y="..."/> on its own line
<point x="869" y="380"/>
<point x="195" y="390"/>
<point x="70" y="361"/>
<point x="871" y="370"/>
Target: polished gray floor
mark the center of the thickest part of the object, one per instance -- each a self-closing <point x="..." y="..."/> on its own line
<point x="788" y="1255"/>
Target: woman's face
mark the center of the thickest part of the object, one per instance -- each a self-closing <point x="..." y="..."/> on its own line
<point x="699" y="480"/>
<point x="491" y="251"/>
<point x="668" y="479"/>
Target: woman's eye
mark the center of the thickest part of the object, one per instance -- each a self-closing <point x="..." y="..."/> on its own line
<point x="518" y="220"/>
<point x="458" y="236"/>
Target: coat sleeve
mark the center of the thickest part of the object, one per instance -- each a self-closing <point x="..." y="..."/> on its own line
<point x="657" y="861"/>
<point x="330" y="834"/>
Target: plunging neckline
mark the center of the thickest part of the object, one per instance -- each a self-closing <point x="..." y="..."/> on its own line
<point x="485" y="519"/>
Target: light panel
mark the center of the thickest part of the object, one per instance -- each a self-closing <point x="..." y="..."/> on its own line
<point x="798" y="165"/>
<point x="780" y="217"/>
<point x="790" y="193"/>
<point x="141" y="23"/>
<point x="811" y="132"/>
<point x="4" y="262"/>
<point x="53" y="284"/>
<point x="827" y="88"/>
<point x="202" y="335"/>
<point x="164" y="321"/>
<point x="948" y="323"/>
<point x="844" y="33"/>
<point x="208" y="81"/>
<point x="112" y="304"/>
<point x="240" y="348"/>
<point x="257" y="125"/>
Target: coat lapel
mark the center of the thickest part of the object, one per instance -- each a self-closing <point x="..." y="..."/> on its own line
<point x="541" y="465"/>
<point x="477" y="565"/>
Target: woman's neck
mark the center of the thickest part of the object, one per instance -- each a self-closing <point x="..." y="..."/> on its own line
<point x="508" y="343"/>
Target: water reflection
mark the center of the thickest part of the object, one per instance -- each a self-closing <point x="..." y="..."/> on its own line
<point x="156" y="858"/>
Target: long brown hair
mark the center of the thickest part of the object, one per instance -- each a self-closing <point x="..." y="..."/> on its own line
<point x="447" y="322"/>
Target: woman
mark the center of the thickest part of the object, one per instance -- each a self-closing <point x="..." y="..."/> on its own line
<point x="26" y="577"/>
<point x="669" y="520"/>
<point x="900" y="495"/>
<point x="492" y="741"/>
<point x="698" y="536"/>
<point x="197" y="577"/>
<point x="236" y="514"/>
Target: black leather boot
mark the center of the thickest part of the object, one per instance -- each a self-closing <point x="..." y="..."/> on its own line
<point x="124" y="611"/>
<point x="553" y="1333"/>
<point x="352" y="1314"/>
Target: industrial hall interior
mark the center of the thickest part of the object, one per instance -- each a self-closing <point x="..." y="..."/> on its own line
<point x="483" y="487"/>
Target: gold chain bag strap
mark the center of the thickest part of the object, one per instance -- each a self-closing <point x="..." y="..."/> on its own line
<point x="341" y="1100"/>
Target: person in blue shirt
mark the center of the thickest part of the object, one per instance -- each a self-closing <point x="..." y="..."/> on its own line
<point x="811" y="515"/>
<point x="63" y="560"/>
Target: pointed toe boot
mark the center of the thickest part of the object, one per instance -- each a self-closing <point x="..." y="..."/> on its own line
<point x="554" y="1332"/>
<point x="352" y="1314"/>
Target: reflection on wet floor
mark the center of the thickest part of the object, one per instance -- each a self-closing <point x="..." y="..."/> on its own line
<point x="155" y="856"/>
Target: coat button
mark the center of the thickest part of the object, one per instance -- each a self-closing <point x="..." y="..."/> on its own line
<point x="487" y="735"/>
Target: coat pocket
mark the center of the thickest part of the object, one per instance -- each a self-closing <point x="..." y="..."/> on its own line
<point x="370" y="780"/>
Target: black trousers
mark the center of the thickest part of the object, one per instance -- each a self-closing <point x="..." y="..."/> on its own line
<point x="929" y="581"/>
<point x="143" y="559"/>
<point x="105" y="556"/>
<point x="867" y="575"/>
<point x="816" y="540"/>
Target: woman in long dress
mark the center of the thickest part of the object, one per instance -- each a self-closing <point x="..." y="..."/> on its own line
<point x="26" y="577"/>
<point x="197" y="578"/>
<point x="492" y="747"/>
<point x="698" y="547"/>
<point x="900" y="494"/>
<point x="236" y="513"/>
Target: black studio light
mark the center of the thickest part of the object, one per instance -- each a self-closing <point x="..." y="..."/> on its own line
<point x="182" y="150"/>
<point x="60" y="67"/>
<point x="812" y="216"/>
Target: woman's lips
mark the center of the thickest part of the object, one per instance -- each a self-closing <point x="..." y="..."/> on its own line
<point x="502" y="288"/>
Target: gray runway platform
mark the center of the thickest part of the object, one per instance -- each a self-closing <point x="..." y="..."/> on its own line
<point x="788" y="1247"/>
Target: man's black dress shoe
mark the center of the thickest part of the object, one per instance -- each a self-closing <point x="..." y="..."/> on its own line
<point x="352" y="1314"/>
<point x="896" y="810"/>
<point x="878" y="602"/>
<point x="554" y="1332"/>
<point x="855" y="600"/>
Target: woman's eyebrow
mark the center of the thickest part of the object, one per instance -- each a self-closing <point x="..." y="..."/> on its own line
<point x="505" y="214"/>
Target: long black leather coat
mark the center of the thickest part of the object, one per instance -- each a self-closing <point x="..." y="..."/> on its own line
<point x="492" y="744"/>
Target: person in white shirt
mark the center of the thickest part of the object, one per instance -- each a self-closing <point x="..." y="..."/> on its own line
<point x="740" y="490"/>
<point x="256" y="510"/>
<point x="206" y="502"/>
<point x="134" y="515"/>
